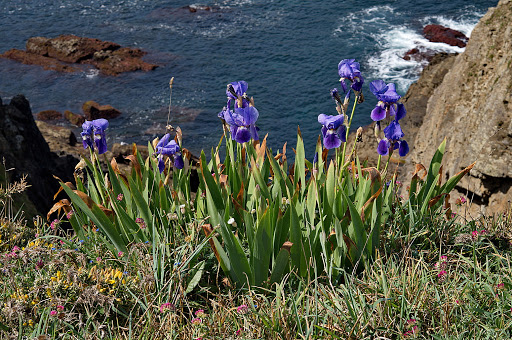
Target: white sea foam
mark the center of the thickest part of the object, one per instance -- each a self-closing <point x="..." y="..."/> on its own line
<point x="92" y="73"/>
<point x="388" y="64"/>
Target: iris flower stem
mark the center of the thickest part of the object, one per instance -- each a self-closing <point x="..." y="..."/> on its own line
<point x="348" y="131"/>
<point x="378" y="162"/>
<point x="387" y="162"/>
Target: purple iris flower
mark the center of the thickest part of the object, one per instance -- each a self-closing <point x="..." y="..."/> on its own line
<point x="350" y="69"/>
<point x="242" y="123"/>
<point x="237" y="91"/>
<point x="388" y="97"/>
<point x="95" y="131"/>
<point x="167" y="146"/>
<point x="333" y="130"/>
<point x="393" y="134"/>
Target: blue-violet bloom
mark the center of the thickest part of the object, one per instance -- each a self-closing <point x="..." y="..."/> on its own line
<point x="388" y="97"/>
<point x="350" y="69"/>
<point x="242" y="123"/>
<point x="333" y="130"/>
<point x="95" y="131"/>
<point x="167" y="146"/>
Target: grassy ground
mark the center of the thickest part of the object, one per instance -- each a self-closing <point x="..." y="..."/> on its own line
<point x="437" y="278"/>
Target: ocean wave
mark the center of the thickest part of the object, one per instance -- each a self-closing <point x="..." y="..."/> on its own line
<point x="394" y="42"/>
<point x="389" y="64"/>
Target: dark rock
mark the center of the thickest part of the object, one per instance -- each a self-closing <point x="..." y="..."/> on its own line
<point x="420" y="54"/>
<point x="93" y="110"/>
<point x="438" y="33"/>
<point x="35" y="59"/>
<point x="49" y="115"/>
<point x="25" y="150"/>
<point x="74" y="118"/>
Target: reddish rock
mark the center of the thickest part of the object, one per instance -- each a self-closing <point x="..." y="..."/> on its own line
<point x="93" y="110"/>
<point x="68" y="48"/>
<point x="55" y="53"/>
<point x="122" y="60"/>
<point x="419" y="55"/>
<point x="74" y="118"/>
<point x="438" y="33"/>
<point x="49" y="115"/>
<point x="35" y="59"/>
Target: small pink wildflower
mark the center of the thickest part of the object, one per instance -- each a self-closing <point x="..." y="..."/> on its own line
<point x="140" y="222"/>
<point x="237" y="333"/>
<point x="482" y="232"/>
<point x="242" y="309"/>
<point x="60" y="308"/>
<point x="120" y="197"/>
<point x="54" y="224"/>
<point x="53" y="313"/>
<point x="454" y="215"/>
<point x="442" y="273"/>
<point x="474" y="234"/>
<point x="120" y="254"/>
<point x="200" y="313"/>
<point x="98" y="259"/>
<point x="500" y="285"/>
<point x="39" y="265"/>
<point x="165" y="306"/>
<point x="196" y="321"/>
<point x="411" y="321"/>
<point x="15" y="248"/>
<point x="69" y="214"/>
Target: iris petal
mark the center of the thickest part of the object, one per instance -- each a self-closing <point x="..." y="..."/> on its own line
<point x="332" y="140"/>
<point x="161" y="163"/>
<point x="254" y="132"/>
<point x="378" y="113"/>
<point x="403" y="148"/>
<point x="393" y="131"/>
<point x="248" y="115"/>
<point x="100" y="124"/>
<point x="383" y="147"/>
<point x="400" y="111"/>
<point x="242" y="135"/>
<point x="377" y="87"/>
<point x="178" y="161"/>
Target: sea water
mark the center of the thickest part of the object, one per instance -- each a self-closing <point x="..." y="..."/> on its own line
<point x="287" y="50"/>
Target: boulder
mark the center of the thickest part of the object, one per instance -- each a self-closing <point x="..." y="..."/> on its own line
<point x="58" y="53"/>
<point x="93" y="110"/>
<point x="68" y="48"/>
<point x="438" y="33"/>
<point x="74" y="118"/>
<point x="25" y="150"/>
<point x="417" y="54"/>
<point x="47" y="115"/>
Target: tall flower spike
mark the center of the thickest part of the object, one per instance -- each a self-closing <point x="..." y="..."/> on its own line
<point x="333" y="130"/>
<point x="168" y="147"/>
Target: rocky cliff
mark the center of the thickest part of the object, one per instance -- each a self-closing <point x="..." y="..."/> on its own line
<point x="24" y="150"/>
<point x="472" y="108"/>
